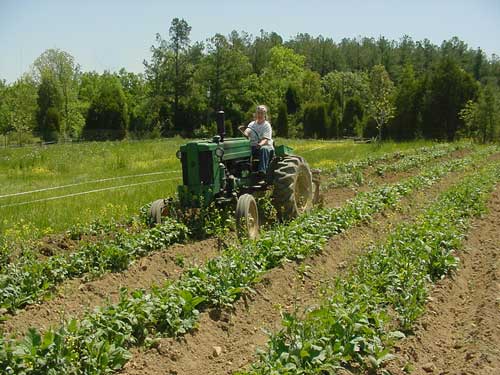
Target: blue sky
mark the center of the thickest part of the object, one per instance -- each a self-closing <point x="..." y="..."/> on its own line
<point x="108" y="35"/>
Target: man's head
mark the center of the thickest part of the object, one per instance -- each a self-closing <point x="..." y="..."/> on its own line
<point x="261" y="113"/>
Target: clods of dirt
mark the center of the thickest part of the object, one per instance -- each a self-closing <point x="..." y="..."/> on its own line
<point x="460" y="330"/>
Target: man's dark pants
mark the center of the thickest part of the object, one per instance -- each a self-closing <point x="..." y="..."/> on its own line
<point x="264" y="153"/>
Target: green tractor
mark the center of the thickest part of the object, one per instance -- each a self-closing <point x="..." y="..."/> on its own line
<point x="224" y="171"/>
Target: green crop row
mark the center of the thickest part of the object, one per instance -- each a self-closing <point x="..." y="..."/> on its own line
<point x="416" y="159"/>
<point x="106" y="227"/>
<point x="98" y="343"/>
<point x="350" y="173"/>
<point x="28" y="280"/>
<point x="364" y="312"/>
<point x="25" y="242"/>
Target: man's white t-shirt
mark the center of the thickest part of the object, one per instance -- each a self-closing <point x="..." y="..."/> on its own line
<point x="259" y="131"/>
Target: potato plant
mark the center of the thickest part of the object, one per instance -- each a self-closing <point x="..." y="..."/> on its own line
<point x="98" y="343"/>
<point x="29" y="280"/>
<point x="211" y="222"/>
<point x="365" y="312"/>
<point x="351" y="173"/>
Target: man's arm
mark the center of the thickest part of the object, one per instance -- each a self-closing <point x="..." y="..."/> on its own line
<point x="263" y="142"/>
<point x="267" y="135"/>
<point x="244" y="130"/>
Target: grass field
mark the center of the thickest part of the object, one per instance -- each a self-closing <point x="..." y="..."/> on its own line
<point x="48" y="189"/>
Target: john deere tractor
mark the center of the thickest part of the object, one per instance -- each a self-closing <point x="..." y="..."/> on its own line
<point x="223" y="171"/>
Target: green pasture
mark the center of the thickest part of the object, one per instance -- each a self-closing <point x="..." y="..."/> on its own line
<point x="48" y="189"/>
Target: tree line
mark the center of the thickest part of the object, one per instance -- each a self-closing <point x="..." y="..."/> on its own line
<point x="315" y="88"/>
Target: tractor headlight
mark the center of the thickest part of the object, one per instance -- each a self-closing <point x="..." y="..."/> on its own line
<point x="178" y="154"/>
<point x="219" y="152"/>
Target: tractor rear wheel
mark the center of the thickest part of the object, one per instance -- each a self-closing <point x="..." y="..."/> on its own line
<point x="247" y="217"/>
<point x="293" y="187"/>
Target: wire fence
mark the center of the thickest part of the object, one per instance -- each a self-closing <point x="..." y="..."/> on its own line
<point x="85" y="183"/>
<point x="87" y="192"/>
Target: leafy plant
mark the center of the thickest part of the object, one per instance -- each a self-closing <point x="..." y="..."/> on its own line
<point x="99" y="342"/>
<point x="28" y="280"/>
<point x="355" y="321"/>
<point x="352" y="173"/>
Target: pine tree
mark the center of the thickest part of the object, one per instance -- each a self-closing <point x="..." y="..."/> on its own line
<point x="292" y="100"/>
<point x="353" y="113"/>
<point x="282" y="121"/>
<point x="49" y="109"/>
<point x="448" y="90"/>
<point x="316" y="122"/>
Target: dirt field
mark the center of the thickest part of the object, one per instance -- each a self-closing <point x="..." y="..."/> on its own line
<point x="227" y="340"/>
<point x="458" y="334"/>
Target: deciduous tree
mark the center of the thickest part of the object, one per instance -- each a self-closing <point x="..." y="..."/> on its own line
<point x="135" y="91"/>
<point x="5" y="125"/>
<point x="65" y="73"/>
<point x="285" y="69"/>
<point x="381" y="105"/>
<point x="222" y="73"/>
<point x="482" y="118"/>
<point x="22" y="106"/>
<point x="107" y="117"/>
<point x="341" y="86"/>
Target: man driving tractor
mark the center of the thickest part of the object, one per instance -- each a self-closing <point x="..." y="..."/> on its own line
<point x="226" y="172"/>
<point x="260" y="134"/>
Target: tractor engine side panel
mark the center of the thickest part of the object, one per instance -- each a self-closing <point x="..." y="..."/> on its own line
<point x="200" y="174"/>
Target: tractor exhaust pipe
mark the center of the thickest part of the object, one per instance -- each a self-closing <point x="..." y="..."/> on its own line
<point x="221" y="127"/>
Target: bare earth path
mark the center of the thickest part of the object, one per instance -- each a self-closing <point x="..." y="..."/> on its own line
<point x="460" y="332"/>
<point x="239" y="333"/>
<point x="76" y="296"/>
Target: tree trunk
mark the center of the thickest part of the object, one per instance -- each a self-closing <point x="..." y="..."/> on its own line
<point x="176" y="89"/>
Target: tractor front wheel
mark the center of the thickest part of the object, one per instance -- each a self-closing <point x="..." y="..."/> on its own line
<point x="247" y="217"/>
